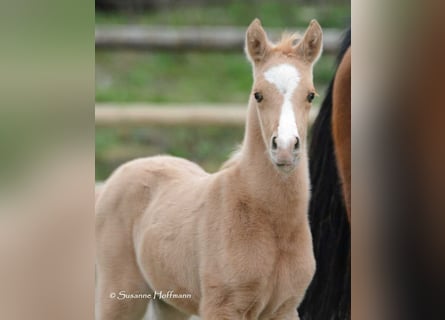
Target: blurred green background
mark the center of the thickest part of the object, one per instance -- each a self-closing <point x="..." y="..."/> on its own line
<point x="191" y="77"/>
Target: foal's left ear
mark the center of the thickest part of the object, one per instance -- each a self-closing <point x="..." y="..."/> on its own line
<point x="310" y="47"/>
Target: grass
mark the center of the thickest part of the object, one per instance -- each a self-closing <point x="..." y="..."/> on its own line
<point x="191" y="77"/>
<point x="282" y="14"/>
<point x="208" y="146"/>
<point x="181" y="77"/>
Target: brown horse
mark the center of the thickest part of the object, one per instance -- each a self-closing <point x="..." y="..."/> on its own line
<point x="231" y="245"/>
<point x="341" y="125"/>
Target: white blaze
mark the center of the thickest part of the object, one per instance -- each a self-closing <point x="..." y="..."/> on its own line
<point x="286" y="78"/>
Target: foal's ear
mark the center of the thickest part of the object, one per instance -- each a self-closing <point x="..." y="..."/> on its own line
<point x="257" y="44"/>
<point x="310" y="47"/>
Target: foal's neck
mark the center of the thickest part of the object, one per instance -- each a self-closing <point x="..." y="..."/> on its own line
<point x="261" y="179"/>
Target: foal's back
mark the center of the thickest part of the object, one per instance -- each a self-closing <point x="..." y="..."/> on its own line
<point x="134" y="184"/>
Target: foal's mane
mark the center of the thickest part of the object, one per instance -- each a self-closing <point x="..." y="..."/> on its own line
<point x="286" y="45"/>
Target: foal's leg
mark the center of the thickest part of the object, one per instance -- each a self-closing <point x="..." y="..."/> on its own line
<point x="118" y="275"/>
<point x="287" y="311"/>
<point x="113" y="283"/>
<point x="160" y="310"/>
<point x="121" y="202"/>
<point x="222" y="304"/>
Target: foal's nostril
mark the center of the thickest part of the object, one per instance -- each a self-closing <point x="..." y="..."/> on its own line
<point x="274" y="143"/>
<point x="297" y="143"/>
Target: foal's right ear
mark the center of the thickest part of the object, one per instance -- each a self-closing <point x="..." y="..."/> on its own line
<point x="257" y="43"/>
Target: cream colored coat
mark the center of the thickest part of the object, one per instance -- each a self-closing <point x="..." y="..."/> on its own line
<point x="238" y="241"/>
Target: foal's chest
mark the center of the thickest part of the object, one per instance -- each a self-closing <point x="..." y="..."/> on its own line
<point x="288" y="281"/>
<point x="276" y="256"/>
<point x="283" y="269"/>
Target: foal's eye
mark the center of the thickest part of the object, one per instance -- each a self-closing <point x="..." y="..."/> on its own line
<point x="310" y="96"/>
<point x="258" y="96"/>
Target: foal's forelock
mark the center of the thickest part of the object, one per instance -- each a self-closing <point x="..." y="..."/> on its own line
<point x="285" y="78"/>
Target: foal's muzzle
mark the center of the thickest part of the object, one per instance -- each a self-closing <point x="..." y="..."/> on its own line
<point x="285" y="153"/>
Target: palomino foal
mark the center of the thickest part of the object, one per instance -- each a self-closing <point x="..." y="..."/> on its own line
<point x="231" y="245"/>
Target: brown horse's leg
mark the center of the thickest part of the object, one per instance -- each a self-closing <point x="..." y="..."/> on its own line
<point x="341" y="125"/>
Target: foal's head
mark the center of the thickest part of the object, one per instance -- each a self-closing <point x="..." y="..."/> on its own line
<point x="283" y="90"/>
